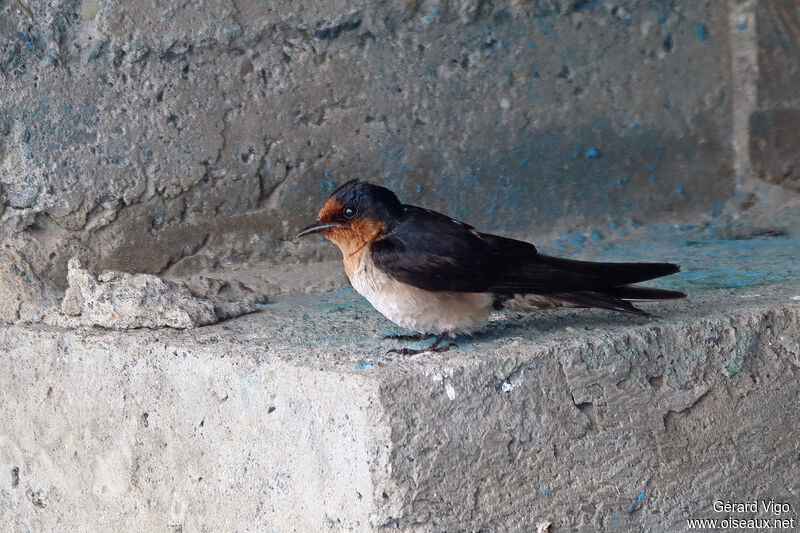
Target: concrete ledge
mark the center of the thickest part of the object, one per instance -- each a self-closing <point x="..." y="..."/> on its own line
<point x="293" y="419"/>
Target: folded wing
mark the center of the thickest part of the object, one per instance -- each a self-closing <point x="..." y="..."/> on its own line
<point x="433" y="252"/>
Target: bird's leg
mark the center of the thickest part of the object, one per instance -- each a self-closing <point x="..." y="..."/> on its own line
<point x="432" y="348"/>
<point x="416" y="337"/>
<point x="435" y="346"/>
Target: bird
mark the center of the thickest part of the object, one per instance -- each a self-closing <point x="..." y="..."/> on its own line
<point x="440" y="277"/>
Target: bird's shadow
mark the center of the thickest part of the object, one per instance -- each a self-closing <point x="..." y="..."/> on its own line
<point x="533" y="326"/>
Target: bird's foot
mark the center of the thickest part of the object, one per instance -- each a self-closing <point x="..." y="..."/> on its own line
<point x="411" y="351"/>
<point x="435" y="348"/>
<point x="416" y="337"/>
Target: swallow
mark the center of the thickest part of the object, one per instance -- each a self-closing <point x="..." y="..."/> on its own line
<point x="437" y="276"/>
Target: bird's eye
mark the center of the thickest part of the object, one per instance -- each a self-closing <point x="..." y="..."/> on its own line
<point x="349" y="212"/>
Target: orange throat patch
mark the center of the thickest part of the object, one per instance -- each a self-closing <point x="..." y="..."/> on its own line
<point x="354" y="240"/>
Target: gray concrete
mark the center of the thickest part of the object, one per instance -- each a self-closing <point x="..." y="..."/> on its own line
<point x="191" y="140"/>
<point x="172" y="137"/>
<point x="294" y="419"/>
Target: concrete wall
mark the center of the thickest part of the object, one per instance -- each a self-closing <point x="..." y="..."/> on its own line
<point x="295" y="420"/>
<point x="182" y="137"/>
<point x="171" y="137"/>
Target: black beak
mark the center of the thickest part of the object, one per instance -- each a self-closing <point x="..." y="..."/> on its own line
<point x="316" y="227"/>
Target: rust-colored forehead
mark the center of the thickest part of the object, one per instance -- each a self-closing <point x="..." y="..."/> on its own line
<point x="329" y="210"/>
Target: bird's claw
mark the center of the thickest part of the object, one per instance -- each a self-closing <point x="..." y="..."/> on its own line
<point x="411" y="351"/>
<point x="416" y="337"/>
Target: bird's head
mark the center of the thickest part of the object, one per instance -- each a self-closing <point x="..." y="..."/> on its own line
<point x="356" y="213"/>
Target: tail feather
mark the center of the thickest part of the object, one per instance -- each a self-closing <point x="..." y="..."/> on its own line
<point x="606" y="274"/>
<point x="588" y="284"/>
<point x="619" y="298"/>
<point x="637" y="293"/>
<point x="600" y="300"/>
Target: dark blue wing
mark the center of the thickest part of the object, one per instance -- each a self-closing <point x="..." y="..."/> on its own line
<point x="436" y="253"/>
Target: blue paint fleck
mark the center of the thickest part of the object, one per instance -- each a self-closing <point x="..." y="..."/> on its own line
<point x="501" y="17"/>
<point x="678" y="190"/>
<point x="547" y="490"/>
<point x="584" y="5"/>
<point x="662" y="19"/>
<point x="741" y="26"/>
<point x="419" y="188"/>
<point x="363" y="365"/>
<point x="702" y="31"/>
<point x="577" y="239"/>
<point x="592" y="153"/>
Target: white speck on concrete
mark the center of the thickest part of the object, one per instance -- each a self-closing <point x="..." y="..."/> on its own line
<point x="514" y="382"/>
<point x="244" y="385"/>
<point x="451" y="392"/>
<point x="505" y="104"/>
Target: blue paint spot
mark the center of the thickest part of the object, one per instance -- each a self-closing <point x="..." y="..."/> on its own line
<point x="679" y="190"/>
<point x="639" y="496"/>
<point x="548" y="490"/>
<point x="702" y="31"/>
<point x="662" y="19"/>
<point x="584" y="5"/>
<point x="592" y="153"/>
<point x="501" y="17"/>
<point x="363" y="365"/>
<point x="419" y="188"/>
<point x="577" y="239"/>
<point x="531" y="46"/>
<point x="741" y="26"/>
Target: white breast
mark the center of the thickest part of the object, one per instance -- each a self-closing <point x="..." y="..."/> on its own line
<point x="418" y="309"/>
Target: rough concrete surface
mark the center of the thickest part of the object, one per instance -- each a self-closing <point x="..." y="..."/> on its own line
<point x="175" y="148"/>
<point x="118" y="300"/>
<point x="295" y="419"/>
<point x="152" y="137"/>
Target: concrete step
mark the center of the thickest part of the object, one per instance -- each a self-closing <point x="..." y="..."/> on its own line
<point x="296" y="419"/>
